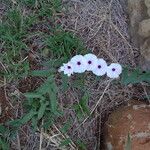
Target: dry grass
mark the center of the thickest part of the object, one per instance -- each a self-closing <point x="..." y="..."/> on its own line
<point x="103" y="26"/>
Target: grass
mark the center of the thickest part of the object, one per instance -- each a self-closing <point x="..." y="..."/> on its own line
<point x="33" y="45"/>
<point x="25" y="23"/>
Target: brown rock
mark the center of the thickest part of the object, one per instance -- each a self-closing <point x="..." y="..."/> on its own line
<point x="133" y="119"/>
<point x="144" y="64"/>
<point x="137" y="11"/>
<point x="147" y="3"/>
<point x="148" y="12"/>
<point x="145" y="50"/>
<point x="144" y="28"/>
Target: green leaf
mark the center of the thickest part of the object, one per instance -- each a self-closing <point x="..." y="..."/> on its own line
<point x="81" y="145"/>
<point x="3" y="144"/>
<point x="83" y="103"/>
<point x="3" y="129"/>
<point x="53" y="102"/>
<point x="145" y="77"/>
<point x="32" y="95"/>
<point x="134" y="76"/>
<point x="130" y="77"/>
<point x="42" y="110"/>
<point x="46" y="86"/>
<point x="78" y="111"/>
<point x="49" y="118"/>
<point x="79" y="83"/>
<point x="53" y="97"/>
<point x="65" y="81"/>
<point x="65" y="142"/>
<point x="28" y="117"/>
<point x="40" y="73"/>
<point x="82" y="108"/>
<point x="128" y="143"/>
<point x="66" y="127"/>
<point x="15" y="123"/>
<point x="34" y="121"/>
<point x="49" y="122"/>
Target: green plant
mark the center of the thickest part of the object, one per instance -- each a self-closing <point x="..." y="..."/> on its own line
<point x="128" y="143"/>
<point x="3" y="138"/>
<point x="134" y="76"/>
<point x="18" y="30"/>
<point x="40" y="104"/>
<point x="63" y="44"/>
<point x="82" y="108"/>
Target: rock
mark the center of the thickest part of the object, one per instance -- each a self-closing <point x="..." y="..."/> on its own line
<point x="133" y="119"/>
<point x="144" y="28"/>
<point x="137" y="11"/>
<point x="148" y="12"/>
<point x="144" y="64"/>
<point x="145" y="50"/>
<point x="147" y="3"/>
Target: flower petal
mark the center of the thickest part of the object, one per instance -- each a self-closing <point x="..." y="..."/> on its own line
<point x="79" y="64"/>
<point x="114" y="70"/>
<point x="91" y="61"/>
<point x="67" y="69"/>
<point x="101" y="67"/>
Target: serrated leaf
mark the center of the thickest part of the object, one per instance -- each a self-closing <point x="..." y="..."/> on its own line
<point x="46" y="86"/>
<point x="64" y="85"/>
<point x="34" y="121"/>
<point x="41" y="73"/>
<point x="42" y="110"/>
<point x="15" y="123"/>
<point x="53" y="102"/>
<point x="32" y="95"/>
<point x="83" y="103"/>
<point x="28" y="117"/>
<point x="53" y="97"/>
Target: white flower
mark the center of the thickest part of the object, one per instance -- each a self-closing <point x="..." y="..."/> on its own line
<point x="101" y="67"/>
<point x="79" y="64"/>
<point x="61" y="69"/>
<point x="91" y="60"/>
<point x="67" y="69"/>
<point x="114" y="70"/>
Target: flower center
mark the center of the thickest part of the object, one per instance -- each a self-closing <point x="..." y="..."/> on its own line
<point x="99" y="66"/>
<point x="89" y="62"/>
<point x="113" y="69"/>
<point x="69" y="67"/>
<point x="79" y="63"/>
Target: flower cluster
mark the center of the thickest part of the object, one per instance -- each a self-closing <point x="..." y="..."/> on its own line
<point x="89" y="62"/>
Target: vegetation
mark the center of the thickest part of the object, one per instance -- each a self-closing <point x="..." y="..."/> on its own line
<point x="32" y="27"/>
<point x="25" y="23"/>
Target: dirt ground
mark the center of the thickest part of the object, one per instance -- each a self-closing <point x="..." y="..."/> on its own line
<point x="103" y="25"/>
<point x="104" y="28"/>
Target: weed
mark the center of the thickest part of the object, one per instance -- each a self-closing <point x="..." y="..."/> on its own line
<point x="130" y="76"/>
<point x="41" y="105"/>
<point x="128" y="142"/>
